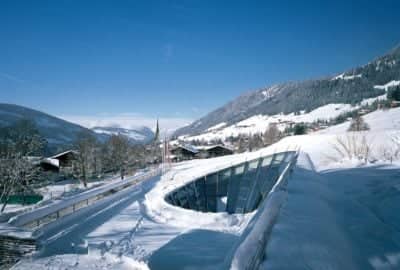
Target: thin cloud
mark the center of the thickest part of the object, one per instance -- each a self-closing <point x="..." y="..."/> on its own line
<point x="11" y="77"/>
<point x="129" y="121"/>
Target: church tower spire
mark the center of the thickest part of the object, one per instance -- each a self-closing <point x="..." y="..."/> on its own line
<point x="157" y="133"/>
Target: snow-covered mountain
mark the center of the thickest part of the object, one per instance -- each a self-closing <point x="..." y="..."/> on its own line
<point x="59" y="134"/>
<point x="136" y="135"/>
<point x="348" y="88"/>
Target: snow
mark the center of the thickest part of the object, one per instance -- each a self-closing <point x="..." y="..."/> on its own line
<point x="334" y="213"/>
<point x="380" y="120"/>
<point x="261" y="225"/>
<point x="218" y="126"/>
<point x="387" y="85"/>
<point x="52" y="161"/>
<point x="129" y="133"/>
<point x="259" y="123"/>
<point x="271" y="91"/>
<point x="347" y="77"/>
<point x="83" y="262"/>
<point x="339" y="214"/>
<point x="65" y="202"/>
<point x="369" y="101"/>
<point x="338" y="219"/>
<point x="161" y="211"/>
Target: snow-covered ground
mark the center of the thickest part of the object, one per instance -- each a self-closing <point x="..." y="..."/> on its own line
<point x="260" y="123"/>
<point x="338" y="219"/>
<point x="387" y="85"/>
<point x="57" y="191"/>
<point x="340" y="213"/>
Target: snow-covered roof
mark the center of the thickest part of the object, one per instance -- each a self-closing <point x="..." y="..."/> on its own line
<point x="63" y="153"/>
<point x="189" y="148"/>
<point x="208" y="147"/>
<point x="52" y="161"/>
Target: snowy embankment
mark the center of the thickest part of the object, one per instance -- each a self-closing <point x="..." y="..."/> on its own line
<point x="341" y="211"/>
<point x="158" y="209"/>
<point x="338" y="219"/>
<point x="83" y="262"/>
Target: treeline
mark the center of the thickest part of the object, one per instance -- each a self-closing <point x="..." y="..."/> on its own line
<point x="115" y="155"/>
<point x="22" y="148"/>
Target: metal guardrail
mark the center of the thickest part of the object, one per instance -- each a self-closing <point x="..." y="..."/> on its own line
<point x="16" y="237"/>
<point x="52" y="212"/>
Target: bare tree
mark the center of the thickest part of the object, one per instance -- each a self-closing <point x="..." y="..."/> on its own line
<point x="272" y="134"/>
<point x="352" y="147"/>
<point x="118" y="150"/>
<point x="85" y="145"/>
<point x="358" y="124"/>
<point x="17" y="169"/>
<point x="242" y="144"/>
<point x="255" y="142"/>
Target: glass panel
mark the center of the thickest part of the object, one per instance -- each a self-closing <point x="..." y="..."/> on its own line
<point x="279" y="158"/>
<point x="200" y="194"/>
<point x="223" y="182"/>
<point x="233" y="191"/>
<point x="266" y="161"/>
<point x="191" y="197"/>
<point x="239" y="169"/>
<point x="253" y="165"/>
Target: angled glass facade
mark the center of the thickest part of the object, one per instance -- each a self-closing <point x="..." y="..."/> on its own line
<point x="243" y="186"/>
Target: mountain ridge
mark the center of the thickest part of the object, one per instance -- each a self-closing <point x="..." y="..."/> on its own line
<point x="60" y="134"/>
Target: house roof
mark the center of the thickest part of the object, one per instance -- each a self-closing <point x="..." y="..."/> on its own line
<point x="188" y="147"/>
<point x="63" y="153"/>
<point x="197" y="149"/>
<point x="51" y="161"/>
<point x="209" y="147"/>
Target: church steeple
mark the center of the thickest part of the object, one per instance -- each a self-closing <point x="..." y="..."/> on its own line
<point x="157" y="133"/>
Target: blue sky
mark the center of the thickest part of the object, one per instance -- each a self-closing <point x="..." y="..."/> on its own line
<point x="92" y="61"/>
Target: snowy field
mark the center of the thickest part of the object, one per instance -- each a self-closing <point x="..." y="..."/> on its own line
<point x="259" y="123"/>
<point x="341" y="212"/>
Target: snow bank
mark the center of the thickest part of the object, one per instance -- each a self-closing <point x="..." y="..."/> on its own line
<point x="338" y="219"/>
<point x="181" y="174"/>
<point x="82" y="262"/>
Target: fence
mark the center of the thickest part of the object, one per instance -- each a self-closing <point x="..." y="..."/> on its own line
<point x="50" y="213"/>
<point x="17" y="236"/>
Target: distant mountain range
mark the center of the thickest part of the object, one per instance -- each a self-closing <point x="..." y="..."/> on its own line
<point x="137" y="135"/>
<point x="61" y="134"/>
<point x="349" y="87"/>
